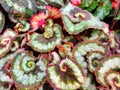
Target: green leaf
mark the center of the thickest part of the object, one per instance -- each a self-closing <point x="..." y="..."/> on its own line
<point x="103" y="9"/>
<point x="86" y="3"/>
<point x="26" y="71"/>
<point x="84" y="20"/>
<point x="29" y="12"/>
<point x="82" y="49"/>
<point x="92" y="6"/>
<point x="105" y="67"/>
<point x="60" y="74"/>
<point x="41" y="44"/>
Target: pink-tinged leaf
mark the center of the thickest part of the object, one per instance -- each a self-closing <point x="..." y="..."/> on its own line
<point x="63" y="71"/>
<point x="54" y="12"/>
<point x="6" y="41"/>
<point x="38" y="20"/>
<point x="76" y="2"/>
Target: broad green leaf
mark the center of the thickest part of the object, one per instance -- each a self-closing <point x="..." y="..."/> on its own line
<point x="86" y="3"/>
<point x="103" y="9"/>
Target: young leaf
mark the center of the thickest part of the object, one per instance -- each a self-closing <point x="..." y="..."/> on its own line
<point x="76" y="20"/>
<point x="26" y="71"/>
<point x="65" y="75"/>
<point x="42" y="44"/>
<point x="111" y="63"/>
<point x="82" y="49"/>
<point x="6" y="41"/>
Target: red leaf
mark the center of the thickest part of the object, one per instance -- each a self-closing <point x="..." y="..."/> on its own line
<point x="54" y="12"/>
<point x="38" y="20"/>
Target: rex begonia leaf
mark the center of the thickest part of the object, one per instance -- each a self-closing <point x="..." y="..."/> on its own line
<point x="88" y="83"/>
<point x="53" y="12"/>
<point x="4" y="76"/>
<point x="82" y="49"/>
<point x="26" y="71"/>
<point x="20" y="6"/>
<point x="57" y="3"/>
<point x="105" y="71"/>
<point x="6" y="41"/>
<point x="94" y="34"/>
<point x="22" y="26"/>
<point x="41" y="44"/>
<point x="65" y="75"/>
<point x="38" y="20"/>
<point x="112" y="78"/>
<point x="19" y="9"/>
<point x="93" y="59"/>
<point x="2" y="21"/>
<point x="76" y="20"/>
<point x="41" y="5"/>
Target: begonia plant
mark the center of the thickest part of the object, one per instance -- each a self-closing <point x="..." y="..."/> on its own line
<point x="59" y="44"/>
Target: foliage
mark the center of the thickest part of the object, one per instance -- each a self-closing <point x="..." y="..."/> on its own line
<point x="59" y="44"/>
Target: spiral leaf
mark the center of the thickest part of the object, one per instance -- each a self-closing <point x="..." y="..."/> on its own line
<point x="66" y="49"/>
<point x="112" y="78"/>
<point x="93" y="59"/>
<point x="6" y="41"/>
<point x="94" y="34"/>
<point x="22" y="26"/>
<point x="41" y="44"/>
<point x="82" y="49"/>
<point x="103" y="70"/>
<point x="20" y="6"/>
<point x="5" y="78"/>
<point x="86" y="21"/>
<point x="2" y="21"/>
<point x="26" y="71"/>
<point x="65" y="75"/>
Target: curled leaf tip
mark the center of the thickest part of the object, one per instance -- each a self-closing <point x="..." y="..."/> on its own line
<point x="106" y="74"/>
<point x="26" y="71"/>
<point x="65" y="74"/>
